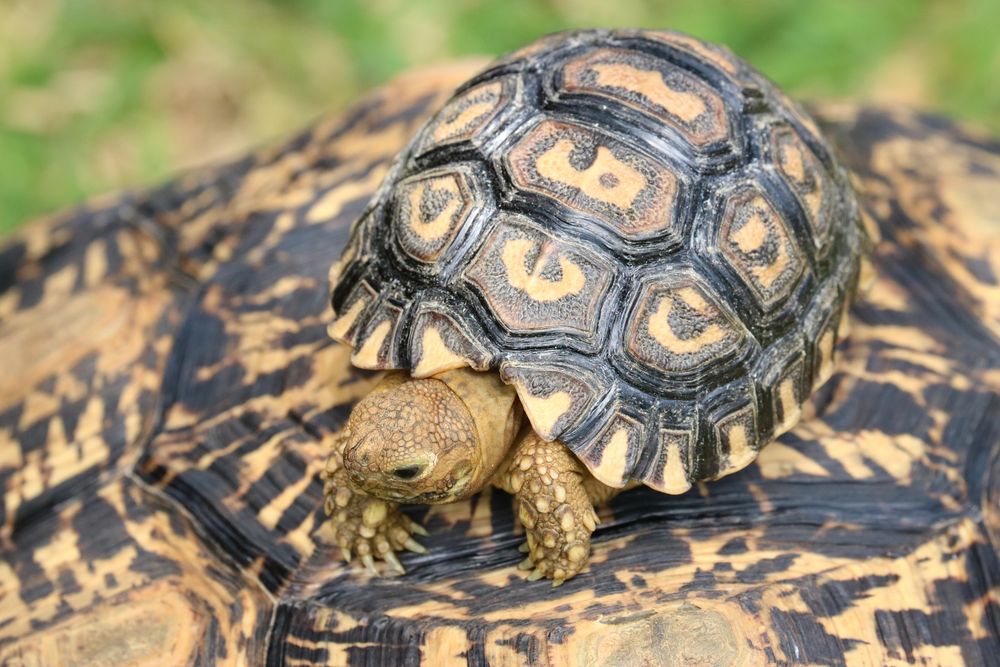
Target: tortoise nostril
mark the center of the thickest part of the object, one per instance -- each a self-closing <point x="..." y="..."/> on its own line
<point x="407" y="472"/>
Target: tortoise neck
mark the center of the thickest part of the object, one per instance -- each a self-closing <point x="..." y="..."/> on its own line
<point x="496" y="412"/>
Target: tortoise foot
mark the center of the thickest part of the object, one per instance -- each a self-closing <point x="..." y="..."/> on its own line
<point x="554" y="508"/>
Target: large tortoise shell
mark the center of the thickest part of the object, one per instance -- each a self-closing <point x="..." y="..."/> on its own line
<point x="650" y="242"/>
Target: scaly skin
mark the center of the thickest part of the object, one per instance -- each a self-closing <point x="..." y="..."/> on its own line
<point x="363" y="525"/>
<point x="554" y="498"/>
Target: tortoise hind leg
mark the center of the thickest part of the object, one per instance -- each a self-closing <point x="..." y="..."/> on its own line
<point x="362" y="525"/>
<point x="554" y="497"/>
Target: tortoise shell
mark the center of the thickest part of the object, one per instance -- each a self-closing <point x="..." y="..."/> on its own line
<point x="645" y="237"/>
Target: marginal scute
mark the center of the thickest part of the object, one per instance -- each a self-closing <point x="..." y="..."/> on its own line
<point x="613" y="452"/>
<point x="652" y="86"/>
<point x="821" y="323"/>
<point x="554" y="397"/>
<point x="373" y="346"/>
<point x="344" y="327"/>
<point x="595" y="175"/>
<point x="439" y="343"/>
<point x="534" y="281"/>
<point x="669" y="471"/>
<point x="757" y="243"/>
<point x="430" y="209"/>
<point x="678" y="326"/>
<point x="823" y="357"/>
<point x="737" y="437"/>
<point x="797" y="113"/>
<point x="787" y="395"/>
<point x="807" y="179"/>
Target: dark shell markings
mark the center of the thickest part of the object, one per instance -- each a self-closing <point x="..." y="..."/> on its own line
<point x="624" y="224"/>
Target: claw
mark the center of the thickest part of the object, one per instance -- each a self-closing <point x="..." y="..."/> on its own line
<point x="556" y="583"/>
<point x="414" y="546"/>
<point x="536" y="575"/>
<point x="345" y="553"/>
<point x="418" y="529"/>
<point x="369" y="563"/>
<point x="391" y="559"/>
<point x="526" y="564"/>
<point x="524" y="548"/>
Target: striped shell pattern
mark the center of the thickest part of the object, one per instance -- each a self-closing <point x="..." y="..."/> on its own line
<point x="645" y="238"/>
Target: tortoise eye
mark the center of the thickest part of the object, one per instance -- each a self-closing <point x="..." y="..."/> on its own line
<point x="407" y="472"/>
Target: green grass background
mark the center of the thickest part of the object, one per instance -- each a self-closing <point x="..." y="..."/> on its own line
<point x="102" y="94"/>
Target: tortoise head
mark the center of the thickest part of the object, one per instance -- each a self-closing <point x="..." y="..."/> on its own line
<point x="418" y="441"/>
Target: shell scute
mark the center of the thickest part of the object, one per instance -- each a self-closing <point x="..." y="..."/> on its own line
<point x="430" y="210"/>
<point x="345" y="326"/>
<point x="806" y="178"/>
<point x="679" y="326"/>
<point x="465" y="115"/>
<point x="670" y="469"/>
<point x="597" y="176"/>
<point x="613" y="454"/>
<point x="716" y="55"/>
<point x="788" y="390"/>
<point x="759" y="246"/>
<point x="534" y="281"/>
<point x="738" y="439"/>
<point x="555" y="396"/>
<point x="374" y="344"/>
<point x="440" y="342"/>
<point x="651" y="86"/>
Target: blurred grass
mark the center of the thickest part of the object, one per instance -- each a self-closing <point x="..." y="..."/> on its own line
<point x="102" y="94"/>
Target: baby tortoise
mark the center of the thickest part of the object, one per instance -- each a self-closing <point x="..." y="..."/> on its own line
<point x="170" y="395"/>
<point x="632" y="239"/>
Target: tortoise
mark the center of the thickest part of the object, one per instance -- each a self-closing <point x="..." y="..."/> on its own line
<point x="171" y="395"/>
<point x="632" y="239"/>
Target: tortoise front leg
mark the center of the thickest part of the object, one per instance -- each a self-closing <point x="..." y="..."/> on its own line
<point x="362" y="525"/>
<point x="554" y="497"/>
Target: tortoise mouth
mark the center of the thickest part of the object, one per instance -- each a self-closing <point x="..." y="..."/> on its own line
<point x="391" y="487"/>
<point x="427" y="498"/>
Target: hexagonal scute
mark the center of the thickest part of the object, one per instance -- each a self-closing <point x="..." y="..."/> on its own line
<point x="591" y="173"/>
<point x="429" y="210"/>
<point x="533" y="281"/>
<point x="678" y="326"/>
<point x="756" y="241"/>
<point x="465" y="115"/>
<point x="653" y="86"/>
<point x="806" y="177"/>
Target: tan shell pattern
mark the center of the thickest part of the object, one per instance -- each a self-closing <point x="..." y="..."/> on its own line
<point x="637" y="230"/>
